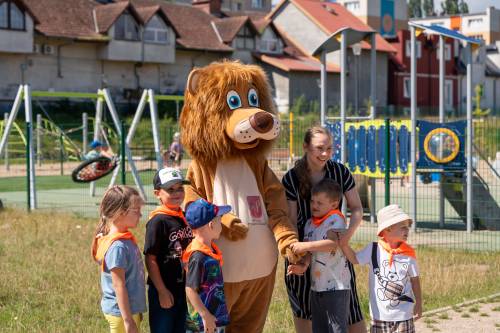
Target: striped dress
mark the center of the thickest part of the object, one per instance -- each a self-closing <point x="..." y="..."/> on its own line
<point x="298" y="287"/>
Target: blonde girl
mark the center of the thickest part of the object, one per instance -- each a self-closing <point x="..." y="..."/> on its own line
<point x="122" y="270"/>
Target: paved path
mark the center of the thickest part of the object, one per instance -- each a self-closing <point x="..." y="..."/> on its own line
<point x="476" y="318"/>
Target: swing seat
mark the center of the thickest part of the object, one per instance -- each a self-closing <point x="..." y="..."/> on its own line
<point x="93" y="169"/>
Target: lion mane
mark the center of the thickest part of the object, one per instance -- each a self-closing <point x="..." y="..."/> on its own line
<point x="205" y="112"/>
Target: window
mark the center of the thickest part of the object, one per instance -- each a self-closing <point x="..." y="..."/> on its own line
<point x="245" y="39"/>
<point x="475" y="22"/>
<point x="156" y="31"/>
<point x="126" y="28"/>
<point x="448" y="94"/>
<point x="269" y="42"/>
<point x="447" y="52"/>
<point x="352" y="5"/>
<point x="406" y="87"/>
<point x="11" y="17"/>
<point x="418" y="46"/>
<point x="257" y="3"/>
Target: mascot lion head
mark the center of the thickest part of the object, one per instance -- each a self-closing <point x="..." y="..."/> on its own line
<point x="228" y="111"/>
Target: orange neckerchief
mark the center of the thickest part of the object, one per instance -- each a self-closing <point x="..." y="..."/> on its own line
<point x="104" y="243"/>
<point x="318" y="220"/>
<point x="168" y="211"/>
<point x="403" y="249"/>
<point x="196" y="245"/>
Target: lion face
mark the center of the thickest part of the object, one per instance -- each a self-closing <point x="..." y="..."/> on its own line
<point x="227" y="111"/>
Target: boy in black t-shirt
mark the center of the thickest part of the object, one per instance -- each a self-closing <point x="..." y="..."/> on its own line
<point x="167" y="235"/>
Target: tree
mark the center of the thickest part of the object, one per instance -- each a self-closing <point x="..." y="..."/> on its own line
<point x="414" y="8"/>
<point x="454" y="7"/>
<point x="463" y="7"/>
<point x="428" y="8"/>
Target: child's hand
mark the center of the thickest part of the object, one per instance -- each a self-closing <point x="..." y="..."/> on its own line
<point x="130" y="326"/>
<point x="298" y="269"/>
<point x="208" y="322"/>
<point x="417" y="311"/>
<point x="299" y="247"/>
<point x="166" y="299"/>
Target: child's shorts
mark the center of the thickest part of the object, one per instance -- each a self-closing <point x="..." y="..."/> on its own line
<point x="405" y="326"/>
<point x="116" y="324"/>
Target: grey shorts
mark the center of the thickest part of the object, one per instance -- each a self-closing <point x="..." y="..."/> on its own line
<point x="330" y="311"/>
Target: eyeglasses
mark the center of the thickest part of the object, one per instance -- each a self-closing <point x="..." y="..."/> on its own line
<point x="175" y="190"/>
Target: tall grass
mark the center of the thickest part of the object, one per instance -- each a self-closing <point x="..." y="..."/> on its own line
<point x="48" y="282"/>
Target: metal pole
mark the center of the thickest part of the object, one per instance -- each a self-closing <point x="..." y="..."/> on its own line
<point x="28" y="163"/>
<point x="12" y="116"/>
<point x="97" y="129"/>
<point x="122" y="153"/>
<point x="387" y="161"/>
<point x="291" y="138"/>
<point x="343" y="65"/>
<point x="85" y="132"/>
<point x="153" y="109"/>
<point x="373" y="105"/>
<point x="441" y="120"/>
<point x="38" y="139"/>
<point x="323" y="87"/>
<point x="6" y="149"/>
<point x="469" y="140"/>
<point x="413" y="82"/>
<point x="177" y="112"/>
<point x="61" y="153"/>
<point x="29" y="143"/>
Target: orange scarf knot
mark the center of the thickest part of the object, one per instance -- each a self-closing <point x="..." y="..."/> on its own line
<point x="403" y="249"/>
<point x="196" y="245"/>
<point x="105" y="242"/>
<point x="168" y="211"/>
<point x="318" y="220"/>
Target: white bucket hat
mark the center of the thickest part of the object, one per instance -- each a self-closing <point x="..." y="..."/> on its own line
<point x="390" y="215"/>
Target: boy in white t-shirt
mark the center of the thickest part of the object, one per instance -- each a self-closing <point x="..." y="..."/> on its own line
<point x="395" y="294"/>
<point x="330" y="275"/>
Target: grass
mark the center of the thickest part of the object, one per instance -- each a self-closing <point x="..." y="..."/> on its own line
<point x="444" y="316"/>
<point x="50" y="284"/>
<point x="474" y="309"/>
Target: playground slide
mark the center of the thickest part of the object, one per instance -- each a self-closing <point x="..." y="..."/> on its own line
<point x="485" y="208"/>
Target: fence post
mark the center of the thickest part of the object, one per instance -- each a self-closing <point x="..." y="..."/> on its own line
<point x="6" y="152"/>
<point x="39" y="139"/>
<point x="291" y="138"/>
<point x="85" y="132"/>
<point x="387" y="162"/>
<point x="61" y="152"/>
<point x="122" y="154"/>
<point x="28" y="164"/>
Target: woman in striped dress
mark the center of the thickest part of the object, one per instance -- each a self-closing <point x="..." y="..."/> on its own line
<point x="315" y="165"/>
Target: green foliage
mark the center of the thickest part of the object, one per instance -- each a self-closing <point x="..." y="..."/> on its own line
<point x="428" y="7"/>
<point x="414" y="8"/>
<point x="454" y="7"/>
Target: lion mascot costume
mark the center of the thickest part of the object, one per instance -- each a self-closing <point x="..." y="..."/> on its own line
<point x="228" y="125"/>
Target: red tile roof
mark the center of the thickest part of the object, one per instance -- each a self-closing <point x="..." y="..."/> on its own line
<point x="146" y="13"/>
<point x="63" y="18"/>
<point x="107" y="14"/>
<point x="229" y="27"/>
<point x="330" y="17"/>
<point x="296" y="64"/>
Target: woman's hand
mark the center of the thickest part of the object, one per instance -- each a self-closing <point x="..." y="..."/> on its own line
<point x="130" y="326"/>
<point x="166" y="299"/>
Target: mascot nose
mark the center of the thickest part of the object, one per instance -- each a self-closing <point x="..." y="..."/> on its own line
<point x="262" y="121"/>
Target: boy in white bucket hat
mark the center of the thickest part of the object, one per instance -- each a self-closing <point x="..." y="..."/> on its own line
<point x="395" y="294"/>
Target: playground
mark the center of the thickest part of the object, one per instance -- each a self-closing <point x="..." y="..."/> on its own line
<point x="444" y="172"/>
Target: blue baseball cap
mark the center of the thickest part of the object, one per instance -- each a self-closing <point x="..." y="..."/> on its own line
<point x="201" y="212"/>
<point x="96" y="143"/>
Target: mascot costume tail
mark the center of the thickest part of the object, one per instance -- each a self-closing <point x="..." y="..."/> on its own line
<point x="228" y="125"/>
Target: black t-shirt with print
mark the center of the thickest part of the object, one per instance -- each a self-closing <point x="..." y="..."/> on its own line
<point x="166" y="238"/>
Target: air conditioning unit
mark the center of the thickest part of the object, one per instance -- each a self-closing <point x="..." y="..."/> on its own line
<point x="48" y="49"/>
<point x="37" y="48"/>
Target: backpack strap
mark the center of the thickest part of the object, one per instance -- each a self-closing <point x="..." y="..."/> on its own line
<point x="376" y="269"/>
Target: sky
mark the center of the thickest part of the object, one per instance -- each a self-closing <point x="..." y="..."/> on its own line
<point x="474" y="5"/>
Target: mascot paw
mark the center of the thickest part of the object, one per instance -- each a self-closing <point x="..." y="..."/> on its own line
<point x="292" y="257"/>
<point x="236" y="231"/>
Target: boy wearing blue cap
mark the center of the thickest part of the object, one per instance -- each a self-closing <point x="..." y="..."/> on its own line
<point x="207" y="310"/>
<point x="98" y="149"/>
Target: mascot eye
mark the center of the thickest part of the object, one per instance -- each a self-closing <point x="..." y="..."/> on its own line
<point x="233" y="100"/>
<point x="253" y="98"/>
